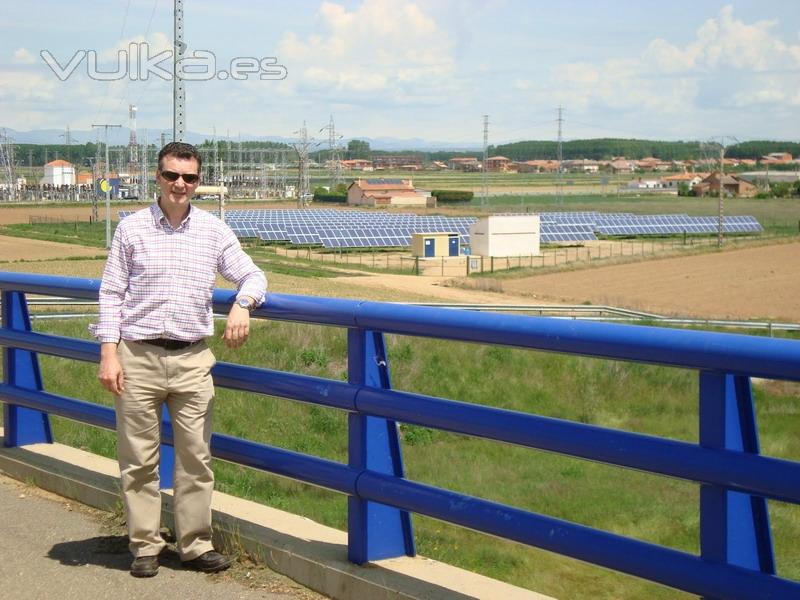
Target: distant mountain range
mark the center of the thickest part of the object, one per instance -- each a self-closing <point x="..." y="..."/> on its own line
<point x="119" y="136"/>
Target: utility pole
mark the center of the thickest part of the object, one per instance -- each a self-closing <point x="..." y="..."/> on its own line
<point x="720" y="203"/>
<point x="560" y="157"/>
<point x="485" y="166"/>
<point x="95" y="215"/>
<point x="108" y="185"/>
<point x="720" y="218"/>
<point x="178" y="91"/>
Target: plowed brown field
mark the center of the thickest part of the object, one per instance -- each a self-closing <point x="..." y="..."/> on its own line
<point x="751" y="283"/>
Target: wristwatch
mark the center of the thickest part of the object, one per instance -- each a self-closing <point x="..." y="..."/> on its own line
<point x="246" y="303"/>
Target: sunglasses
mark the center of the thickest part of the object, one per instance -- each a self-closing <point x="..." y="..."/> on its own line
<point x="187" y="177"/>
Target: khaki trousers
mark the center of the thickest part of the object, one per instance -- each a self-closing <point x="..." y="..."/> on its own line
<point x="182" y="380"/>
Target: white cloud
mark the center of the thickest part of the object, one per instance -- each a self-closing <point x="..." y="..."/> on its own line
<point x="383" y="49"/>
<point x="22" y="56"/>
<point x="729" y="63"/>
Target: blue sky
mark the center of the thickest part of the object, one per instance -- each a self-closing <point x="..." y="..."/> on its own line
<point x="429" y="70"/>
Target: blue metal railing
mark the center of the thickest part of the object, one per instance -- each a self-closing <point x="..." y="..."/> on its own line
<point x="736" y="557"/>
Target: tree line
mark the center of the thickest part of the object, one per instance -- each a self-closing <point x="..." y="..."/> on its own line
<point x="593" y="149"/>
<point x="608" y="148"/>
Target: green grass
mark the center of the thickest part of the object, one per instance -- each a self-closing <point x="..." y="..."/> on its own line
<point x="634" y="397"/>
<point x="85" y="234"/>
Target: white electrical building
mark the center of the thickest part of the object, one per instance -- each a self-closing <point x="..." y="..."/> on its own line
<point x="505" y="235"/>
<point x="58" y="172"/>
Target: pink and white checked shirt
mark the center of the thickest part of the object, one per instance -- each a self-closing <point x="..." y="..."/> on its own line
<point x="158" y="281"/>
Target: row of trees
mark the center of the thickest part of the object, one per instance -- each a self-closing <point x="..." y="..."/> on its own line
<point x="594" y="149"/>
<point x="607" y="148"/>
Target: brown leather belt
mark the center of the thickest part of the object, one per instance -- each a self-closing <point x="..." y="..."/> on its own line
<point x="169" y="344"/>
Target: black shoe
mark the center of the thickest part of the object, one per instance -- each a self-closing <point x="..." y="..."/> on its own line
<point x="210" y="562"/>
<point x="145" y="566"/>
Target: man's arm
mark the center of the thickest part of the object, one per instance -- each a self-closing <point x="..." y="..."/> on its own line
<point x="112" y="295"/>
<point x="236" y="266"/>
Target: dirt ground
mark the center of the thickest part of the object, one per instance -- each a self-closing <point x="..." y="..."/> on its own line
<point x="752" y="283"/>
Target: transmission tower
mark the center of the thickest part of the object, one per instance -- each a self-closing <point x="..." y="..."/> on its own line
<point x="334" y="154"/>
<point x="7" y="165"/>
<point x="302" y="147"/>
<point x="485" y="166"/>
<point x="68" y="141"/>
<point x="560" y="157"/>
<point x="133" y="149"/>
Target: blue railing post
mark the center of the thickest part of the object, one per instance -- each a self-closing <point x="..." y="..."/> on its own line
<point x="375" y="530"/>
<point x="21" y="369"/>
<point x="734" y="527"/>
<point x="166" y="465"/>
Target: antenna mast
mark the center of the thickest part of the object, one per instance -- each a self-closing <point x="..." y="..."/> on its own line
<point x="178" y="91"/>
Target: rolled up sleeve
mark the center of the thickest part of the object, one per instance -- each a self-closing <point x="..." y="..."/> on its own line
<point x="237" y="267"/>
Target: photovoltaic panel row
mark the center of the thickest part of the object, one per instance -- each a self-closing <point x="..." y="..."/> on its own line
<point x="304" y="226"/>
<point x="674" y="224"/>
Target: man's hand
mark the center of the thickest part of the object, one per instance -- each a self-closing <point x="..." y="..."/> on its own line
<point x="110" y="373"/>
<point x="238" y="327"/>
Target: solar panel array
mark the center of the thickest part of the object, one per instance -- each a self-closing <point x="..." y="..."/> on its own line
<point x="332" y="228"/>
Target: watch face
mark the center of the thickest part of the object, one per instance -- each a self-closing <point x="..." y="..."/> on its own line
<point x="244" y="303"/>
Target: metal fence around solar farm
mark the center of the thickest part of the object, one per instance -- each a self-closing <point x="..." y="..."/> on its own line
<point x="337" y="229"/>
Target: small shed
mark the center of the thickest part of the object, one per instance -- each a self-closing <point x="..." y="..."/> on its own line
<point x="58" y="172"/>
<point x="505" y="235"/>
<point x="430" y="245"/>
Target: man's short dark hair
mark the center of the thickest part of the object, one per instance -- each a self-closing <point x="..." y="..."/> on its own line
<point x="181" y="150"/>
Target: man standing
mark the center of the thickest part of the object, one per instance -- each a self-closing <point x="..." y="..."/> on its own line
<point x="155" y="311"/>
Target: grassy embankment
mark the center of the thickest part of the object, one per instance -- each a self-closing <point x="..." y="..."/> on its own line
<point x="641" y="398"/>
<point x="631" y="397"/>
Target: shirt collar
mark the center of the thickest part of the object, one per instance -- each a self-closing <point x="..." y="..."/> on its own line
<point x="159" y="218"/>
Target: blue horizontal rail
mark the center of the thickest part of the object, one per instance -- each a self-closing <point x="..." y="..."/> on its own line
<point x="774" y="478"/>
<point x="736" y="550"/>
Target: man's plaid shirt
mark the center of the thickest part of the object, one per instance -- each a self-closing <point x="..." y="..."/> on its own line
<point x="158" y="281"/>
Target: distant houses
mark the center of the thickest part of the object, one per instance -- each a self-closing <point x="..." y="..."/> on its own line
<point x="386" y="193"/>
<point x="732" y="185"/>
